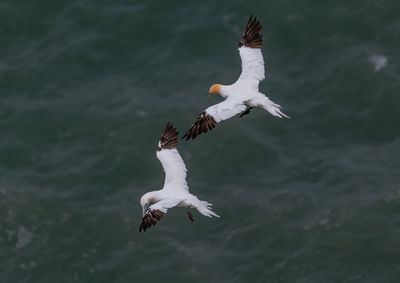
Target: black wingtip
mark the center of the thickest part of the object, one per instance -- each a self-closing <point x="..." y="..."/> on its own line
<point x="169" y="137"/>
<point x="203" y="124"/>
<point x="252" y="34"/>
<point x="150" y="219"/>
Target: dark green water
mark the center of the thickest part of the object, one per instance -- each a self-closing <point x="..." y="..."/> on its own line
<point x="87" y="87"/>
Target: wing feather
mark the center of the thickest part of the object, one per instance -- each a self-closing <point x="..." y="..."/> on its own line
<point x="250" y="52"/>
<point x="156" y="212"/>
<point x="225" y="109"/>
<point x="150" y="218"/>
<point x="252" y="64"/>
<point x="213" y="115"/>
<point x="171" y="160"/>
<point x="252" y="34"/>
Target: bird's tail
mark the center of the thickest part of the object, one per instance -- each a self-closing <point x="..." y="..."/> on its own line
<point x="204" y="208"/>
<point x="273" y="108"/>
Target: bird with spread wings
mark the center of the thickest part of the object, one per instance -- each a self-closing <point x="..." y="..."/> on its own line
<point x="175" y="192"/>
<point x="243" y="95"/>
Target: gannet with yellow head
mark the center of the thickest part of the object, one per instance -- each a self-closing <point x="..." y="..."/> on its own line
<point x="175" y="191"/>
<point x="242" y="95"/>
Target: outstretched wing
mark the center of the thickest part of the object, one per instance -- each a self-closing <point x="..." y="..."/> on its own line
<point x="171" y="160"/>
<point x="250" y="52"/>
<point x="155" y="212"/>
<point x="150" y="218"/>
<point x="213" y="115"/>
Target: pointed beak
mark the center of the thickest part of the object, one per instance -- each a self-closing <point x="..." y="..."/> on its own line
<point x="210" y="96"/>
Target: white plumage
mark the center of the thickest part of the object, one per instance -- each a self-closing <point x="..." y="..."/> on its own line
<point x="175" y="191"/>
<point x="242" y="95"/>
<point x="174" y="168"/>
<point x="252" y="64"/>
<point x="226" y="109"/>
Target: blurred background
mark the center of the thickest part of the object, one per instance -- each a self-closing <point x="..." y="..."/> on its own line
<point x="88" y="86"/>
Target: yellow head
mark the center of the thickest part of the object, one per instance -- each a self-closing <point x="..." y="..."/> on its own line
<point x="215" y="89"/>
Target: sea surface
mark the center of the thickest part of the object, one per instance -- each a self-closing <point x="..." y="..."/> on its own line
<point x="87" y="87"/>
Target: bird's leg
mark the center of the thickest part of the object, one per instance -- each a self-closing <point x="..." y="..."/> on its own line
<point x="247" y="111"/>
<point x="190" y="215"/>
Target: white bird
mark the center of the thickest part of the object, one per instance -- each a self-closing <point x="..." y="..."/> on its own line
<point x="242" y="95"/>
<point x="175" y="191"/>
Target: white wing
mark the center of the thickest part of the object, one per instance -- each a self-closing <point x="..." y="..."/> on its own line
<point x="250" y="52"/>
<point x="174" y="168"/>
<point x="252" y="64"/>
<point x="171" y="160"/>
<point x="164" y="205"/>
<point x="214" y="114"/>
<point x="226" y="109"/>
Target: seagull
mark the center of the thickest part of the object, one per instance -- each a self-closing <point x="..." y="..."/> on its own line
<point x="175" y="191"/>
<point x="242" y="95"/>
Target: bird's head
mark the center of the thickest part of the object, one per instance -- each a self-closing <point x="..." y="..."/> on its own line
<point x="215" y="89"/>
<point x="146" y="200"/>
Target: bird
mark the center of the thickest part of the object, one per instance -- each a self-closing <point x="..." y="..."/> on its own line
<point x="243" y="95"/>
<point x="175" y="192"/>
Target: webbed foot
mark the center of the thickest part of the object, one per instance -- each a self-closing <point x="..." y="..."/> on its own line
<point x="190" y="215"/>
<point x="247" y="111"/>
